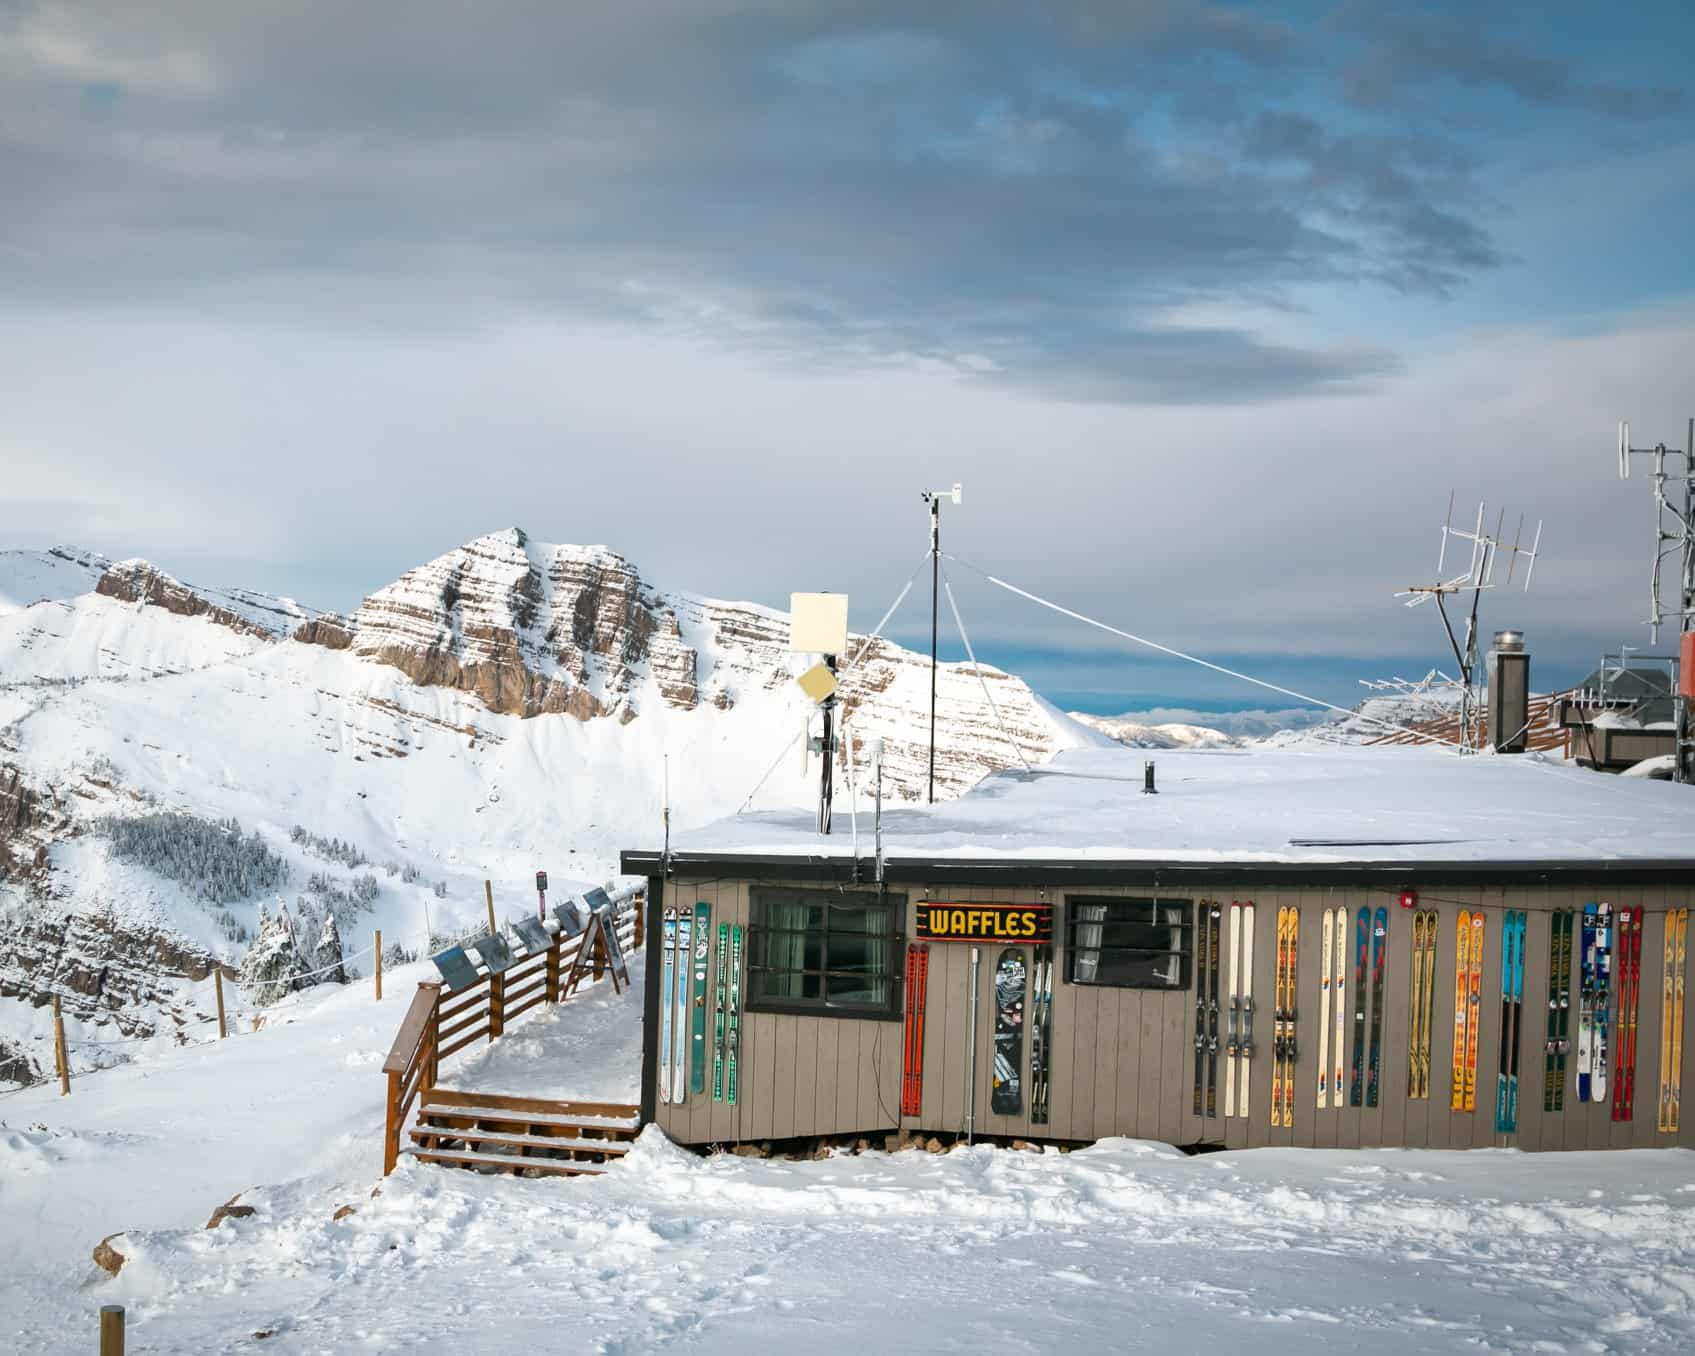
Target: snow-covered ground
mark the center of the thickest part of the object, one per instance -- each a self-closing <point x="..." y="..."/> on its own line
<point x="1123" y="1246"/>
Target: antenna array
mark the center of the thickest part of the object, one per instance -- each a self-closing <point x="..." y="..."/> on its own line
<point x="1485" y="550"/>
<point x="1674" y="534"/>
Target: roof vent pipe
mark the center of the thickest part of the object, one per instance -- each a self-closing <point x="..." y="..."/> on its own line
<point x="1509" y="693"/>
<point x="1148" y="787"/>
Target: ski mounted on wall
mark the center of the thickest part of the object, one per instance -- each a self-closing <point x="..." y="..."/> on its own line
<point x="733" y="1039"/>
<point x="1423" y="1004"/>
<point x="1041" y="1033"/>
<point x="1326" y="955"/>
<point x="1558" y="1042"/>
<point x="912" y="1065"/>
<point x="1283" y="1018"/>
<point x="697" y="1005"/>
<point x="1240" y="1052"/>
<point x="720" y="1013"/>
<point x="1512" y="1008"/>
<point x="1379" y="961"/>
<point x="1671" y="1022"/>
<point x="667" y="1007"/>
<point x="1362" y="994"/>
<point x="1630" y="987"/>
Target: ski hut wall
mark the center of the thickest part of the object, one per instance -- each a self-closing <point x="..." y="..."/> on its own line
<point x="1123" y="1059"/>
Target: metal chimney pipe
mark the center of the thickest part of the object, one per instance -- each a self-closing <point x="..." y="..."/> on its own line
<point x="1509" y="693"/>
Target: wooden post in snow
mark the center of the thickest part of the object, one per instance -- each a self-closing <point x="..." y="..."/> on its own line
<point x="641" y="910"/>
<point x="111" y="1330"/>
<point x="488" y="894"/>
<point x="218" y="984"/>
<point x="377" y="952"/>
<point x="61" y="1062"/>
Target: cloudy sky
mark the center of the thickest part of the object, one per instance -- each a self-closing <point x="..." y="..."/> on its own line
<point x="1208" y="306"/>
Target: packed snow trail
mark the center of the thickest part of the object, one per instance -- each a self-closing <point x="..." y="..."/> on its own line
<point x="1124" y="1246"/>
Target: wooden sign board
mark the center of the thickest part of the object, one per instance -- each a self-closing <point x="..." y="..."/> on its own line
<point x="599" y="932"/>
<point x="950" y="921"/>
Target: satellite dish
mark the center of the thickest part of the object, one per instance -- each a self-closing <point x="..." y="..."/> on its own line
<point x="818" y="623"/>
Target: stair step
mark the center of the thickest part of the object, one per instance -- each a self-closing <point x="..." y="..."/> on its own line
<point x="562" y="1143"/>
<point x="495" y="1112"/>
<point x="558" y="1127"/>
<point x="547" y="1167"/>
<point x="502" y="1103"/>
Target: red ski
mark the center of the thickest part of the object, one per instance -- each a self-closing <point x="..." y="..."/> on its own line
<point x="1629" y="952"/>
<point x="912" y="1068"/>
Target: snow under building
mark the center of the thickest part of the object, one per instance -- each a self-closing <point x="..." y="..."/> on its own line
<point x="1073" y="870"/>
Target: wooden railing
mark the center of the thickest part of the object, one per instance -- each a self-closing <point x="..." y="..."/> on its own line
<point x="440" y="1024"/>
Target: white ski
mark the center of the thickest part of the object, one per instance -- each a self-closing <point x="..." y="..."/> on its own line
<point x="1324" y="1011"/>
<point x="679" y="999"/>
<point x="1233" y="1041"/>
<point x="667" y="983"/>
<point x="1339" y="998"/>
<point x="1247" y="1054"/>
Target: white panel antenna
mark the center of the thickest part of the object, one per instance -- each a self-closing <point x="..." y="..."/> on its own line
<point x="818" y="623"/>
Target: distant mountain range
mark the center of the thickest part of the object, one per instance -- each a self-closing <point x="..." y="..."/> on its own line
<point x="508" y="706"/>
<point x="1179" y="728"/>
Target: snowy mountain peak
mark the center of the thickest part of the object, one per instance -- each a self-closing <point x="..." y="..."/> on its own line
<point x="58" y="573"/>
<point x="1139" y="734"/>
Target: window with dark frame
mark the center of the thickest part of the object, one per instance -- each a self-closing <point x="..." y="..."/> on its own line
<point x="1129" y="943"/>
<point x="827" y="952"/>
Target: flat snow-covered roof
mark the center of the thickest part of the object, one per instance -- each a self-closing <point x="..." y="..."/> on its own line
<point x="1299" y="805"/>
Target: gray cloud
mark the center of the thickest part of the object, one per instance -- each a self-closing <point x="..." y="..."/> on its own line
<point x="957" y="183"/>
<point x="1402" y="51"/>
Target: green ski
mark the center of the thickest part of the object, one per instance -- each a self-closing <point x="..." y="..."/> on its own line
<point x="723" y="956"/>
<point x="734" y="1040"/>
<point x="697" y="1019"/>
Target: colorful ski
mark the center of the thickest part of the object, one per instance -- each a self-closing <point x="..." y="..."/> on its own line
<point x="733" y="1039"/>
<point x="1007" y="1094"/>
<point x="697" y="1013"/>
<point x="1462" y="1008"/>
<point x="1418" y="1036"/>
<point x="667" y="981"/>
<point x="1379" y="958"/>
<point x="1327" y="952"/>
<point x="1362" y="995"/>
<point x="1674" y="1108"/>
<point x="719" y="1015"/>
<point x="1559" y="1009"/>
<point x="1041" y="1033"/>
<point x="1281" y="1005"/>
<point x="1630" y="987"/>
<point x="1339" y="1003"/>
<point x="679" y="997"/>
<point x="1603" y="1001"/>
<point x="1586" y="1006"/>
<point x="1474" y="1010"/>
<point x="1519" y="928"/>
<point x="912" y="1072"/>
<point x="1512" y="1002"/>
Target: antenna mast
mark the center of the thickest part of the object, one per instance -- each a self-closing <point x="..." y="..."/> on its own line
<point x="1479" y="575"/>
<point x="934" y="499"/>
<point x="1674" y="533"/>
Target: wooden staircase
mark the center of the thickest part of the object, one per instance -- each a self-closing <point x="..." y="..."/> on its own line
<point x="491" y="1132"/>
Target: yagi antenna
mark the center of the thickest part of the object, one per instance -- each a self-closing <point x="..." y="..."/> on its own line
<point x="1486" y="548"/>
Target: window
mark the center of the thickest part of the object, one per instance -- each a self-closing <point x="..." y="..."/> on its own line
<point x="1129" y="943"/>
<point x="824" y="951"/>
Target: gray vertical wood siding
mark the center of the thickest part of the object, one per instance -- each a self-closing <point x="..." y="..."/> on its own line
<point x="1122" y="1060"/>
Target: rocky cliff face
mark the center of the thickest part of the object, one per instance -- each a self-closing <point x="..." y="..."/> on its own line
<point x="533" y="629"/>
<point x="241" y="610"/>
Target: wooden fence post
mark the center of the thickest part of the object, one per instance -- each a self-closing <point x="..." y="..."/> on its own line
<point x="641" y="914"/>
<point x="488" y="894"/>
<point x="61" y="1062"/>
<point x="377" y="952"/>
<point x="111" y="1330"/>
<point x="496" y="1007"/>
<point x="391" y="1122"/>
<point x="552" y="980"/>
<point x="218" y="984"/>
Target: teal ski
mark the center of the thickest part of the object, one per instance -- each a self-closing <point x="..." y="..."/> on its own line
<point x="733" y="1038"/>
<point x="723" y="955"/>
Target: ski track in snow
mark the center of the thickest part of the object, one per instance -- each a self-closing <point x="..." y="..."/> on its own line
<point x="1124" y="1246"/>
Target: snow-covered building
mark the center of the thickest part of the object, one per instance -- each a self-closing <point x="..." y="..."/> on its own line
<point x="873" y="996"/>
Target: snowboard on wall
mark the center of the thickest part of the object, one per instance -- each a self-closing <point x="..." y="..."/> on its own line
<point x="1006" y="1097"/>
<point x="667" y="983"/>
<point x="697" y="1005"/>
